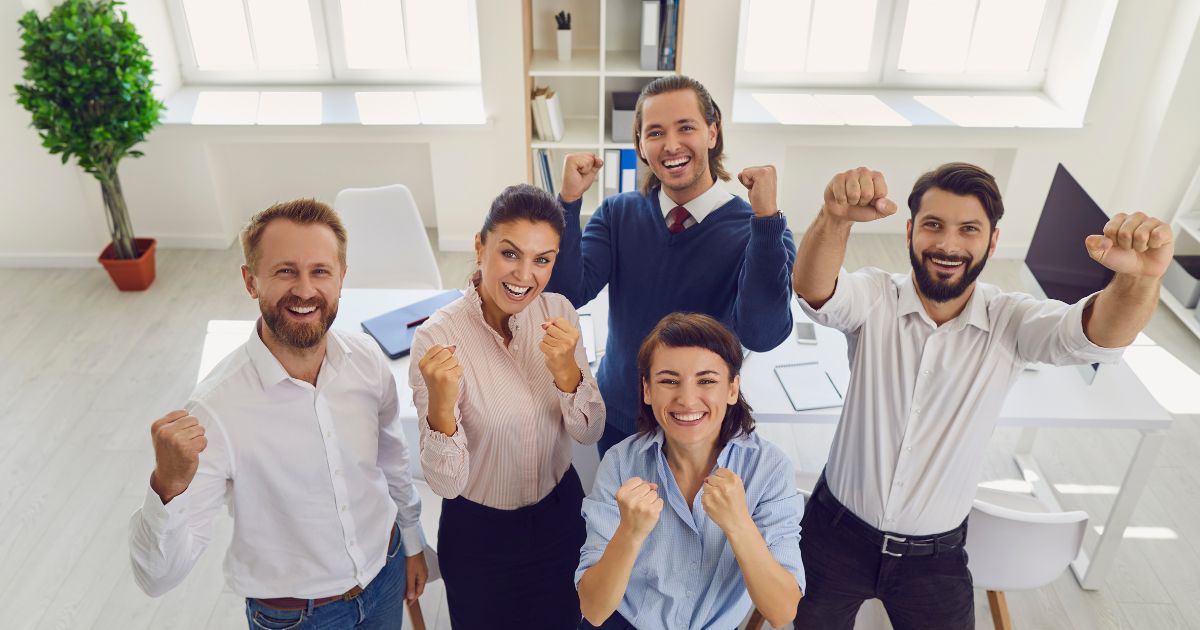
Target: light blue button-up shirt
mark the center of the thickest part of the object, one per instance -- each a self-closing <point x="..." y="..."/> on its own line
<point x="686" y="575"/>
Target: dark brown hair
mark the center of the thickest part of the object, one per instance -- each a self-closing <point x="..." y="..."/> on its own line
<point x="522" y="202"/>
<point x="961" y="178"/>
<point x="302" y="211"/>
<point x="708" y="108"/>
<point x="695" y="330"/>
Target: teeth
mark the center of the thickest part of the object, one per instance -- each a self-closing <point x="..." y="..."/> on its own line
<point x="676" y="162"/>
<point x="303" y="310"/>
<point x="512" y="288"/>
<point x="947" y="263"/>
<point x="688" y="417"/>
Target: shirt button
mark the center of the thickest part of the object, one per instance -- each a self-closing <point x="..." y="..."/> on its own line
<point x="343" y="508"/>
<point x="908" y="448"/>
<point x="339" y="471"/>
<point x="329" y="434"/>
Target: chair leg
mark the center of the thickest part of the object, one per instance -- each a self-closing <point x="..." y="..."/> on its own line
<point x="756" y="621"/>
<point x="999" y="606"/>
<point x="414" y="614"/>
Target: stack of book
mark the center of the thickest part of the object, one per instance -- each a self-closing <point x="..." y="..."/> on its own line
<point x="660" y="28"/>
<point x="543" y="177"/>
<point x="547" y="115"/>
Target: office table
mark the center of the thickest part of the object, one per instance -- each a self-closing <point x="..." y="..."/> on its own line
<point x="1048" y="397"/>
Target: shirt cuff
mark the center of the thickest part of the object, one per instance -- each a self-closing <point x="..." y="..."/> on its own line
<point x="1077" y="341"/>
<point x="834" y="301"/>
<point x="767" y="229"/>
<point x="160" y="518"/>
<point x="444" y="445"/>
<point x="413" y="539"/>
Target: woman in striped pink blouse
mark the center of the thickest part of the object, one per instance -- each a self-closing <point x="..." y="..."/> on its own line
<point x="502" y="388"/>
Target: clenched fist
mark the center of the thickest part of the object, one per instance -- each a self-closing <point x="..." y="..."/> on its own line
<point x="762" y="184"/>
<point x="724" y="500"/>
<point x="441" y="373"/>
<point x="178" y="440"/>
<point x="579" y="172"/>
<point x="640" y="506"/>
<point x="558" y="344"/>
<point x="858" y="195"/>
<point x="1133" y="244"/>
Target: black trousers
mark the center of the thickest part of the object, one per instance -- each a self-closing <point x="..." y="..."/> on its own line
<point x="843" y="570"/>
<point x="513" y="568"/>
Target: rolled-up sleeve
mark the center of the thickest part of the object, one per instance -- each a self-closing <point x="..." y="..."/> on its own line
<point x="394" y="461"/>
<point x="778" y="517"/>
<point x="601" y="515"/>
<point x="583" y="409"/>
<point x="444" y="458"/>
<point x="1050" y="331"/>
<point x="853" y="296"/>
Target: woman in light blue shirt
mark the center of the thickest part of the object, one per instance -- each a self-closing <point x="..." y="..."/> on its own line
<point x="695" y="518"/>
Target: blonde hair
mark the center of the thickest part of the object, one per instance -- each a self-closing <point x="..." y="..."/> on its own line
<point x="302" y="211"/>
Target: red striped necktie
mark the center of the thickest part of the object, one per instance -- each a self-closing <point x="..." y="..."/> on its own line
<point x="679" y="214"/>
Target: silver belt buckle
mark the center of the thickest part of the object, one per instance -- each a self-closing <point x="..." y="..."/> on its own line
<point x="886" y="538"/>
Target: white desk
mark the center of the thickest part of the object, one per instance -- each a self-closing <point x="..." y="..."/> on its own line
<point x="1046" y="398"/>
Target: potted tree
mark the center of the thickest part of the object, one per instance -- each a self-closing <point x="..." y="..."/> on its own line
<point x="88" y="84"/>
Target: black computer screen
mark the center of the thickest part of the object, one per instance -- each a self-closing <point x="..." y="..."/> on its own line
<point x="1057" y="256"/>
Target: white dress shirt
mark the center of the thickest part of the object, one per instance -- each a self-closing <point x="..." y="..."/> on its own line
<point x="314" y="477"/>
<point x="923" y="399"/>
<point x="700" y="207"/>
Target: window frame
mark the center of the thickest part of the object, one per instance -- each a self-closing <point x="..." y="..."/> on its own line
<point x="331" y="70"/>
<point x="883" y="73"/>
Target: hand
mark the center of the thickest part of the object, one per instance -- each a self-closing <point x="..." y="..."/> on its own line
<point x="1133" y="244"/>
<point x="416" y="573"/>
<point x="640" y="506"/>
<point x="558" y="344"/>
<point x="724" y="500"/>
<point x="858" y="195"/>
<point x="178" y="439"/>
<point x="762" y="184"/>
<point x="579" y="171"/>
<point x="442" y="373"/>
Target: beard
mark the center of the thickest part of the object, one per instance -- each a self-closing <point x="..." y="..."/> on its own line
<point x="940" y="290"/>
<point x="298" y="335"/>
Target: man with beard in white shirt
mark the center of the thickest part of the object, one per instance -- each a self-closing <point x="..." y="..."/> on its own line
<point x="298" y="431"/>
<point x="933" y="355"/>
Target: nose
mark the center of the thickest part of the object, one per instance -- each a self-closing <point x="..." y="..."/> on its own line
<point x="671" y="143"/>
<point x="524" y="271"/>
<point x="304" y="288"/>
<point x="687" y="394"/>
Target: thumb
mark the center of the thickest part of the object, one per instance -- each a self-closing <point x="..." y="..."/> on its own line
<point x="1098" y="246"/>
<point x="885" y="206"/>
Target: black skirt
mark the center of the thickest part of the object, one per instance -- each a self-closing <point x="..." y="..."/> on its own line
<point x="513" y="568"/>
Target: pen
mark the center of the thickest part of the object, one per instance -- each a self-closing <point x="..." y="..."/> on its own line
<point x="417" y="322"/>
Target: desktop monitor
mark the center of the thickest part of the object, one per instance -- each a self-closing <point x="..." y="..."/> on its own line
<point x="1057" y="257"/>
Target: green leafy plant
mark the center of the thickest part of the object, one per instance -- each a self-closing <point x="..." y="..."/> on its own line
<point x="88" y="84"/>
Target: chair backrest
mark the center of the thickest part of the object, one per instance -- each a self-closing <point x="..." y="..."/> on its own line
<point x="387" y="246"/>
<point x="1012" y="550"/>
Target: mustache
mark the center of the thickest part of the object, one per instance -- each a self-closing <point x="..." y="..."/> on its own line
<point x="291" y="300"/>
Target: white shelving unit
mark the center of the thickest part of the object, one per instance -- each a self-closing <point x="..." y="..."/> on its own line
<point x="1187" y="242"/>
<point x="604" y="58"/>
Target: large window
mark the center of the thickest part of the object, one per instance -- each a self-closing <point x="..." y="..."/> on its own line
<point x="1000" y="44"/>
<point x="425" y="42"/>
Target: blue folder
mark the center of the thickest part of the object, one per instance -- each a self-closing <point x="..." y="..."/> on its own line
<point x="394" y="330"/>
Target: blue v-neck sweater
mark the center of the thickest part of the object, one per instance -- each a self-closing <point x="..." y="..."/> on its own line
<point x="732" y="266"/>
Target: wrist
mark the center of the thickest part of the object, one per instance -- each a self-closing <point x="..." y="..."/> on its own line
<point x="568" y="380"/>
<point x="824" y="216"/>
<point x="740" y="527"/>
<point x="442" y="421"/>
<point x="627" y="539"/>
<point x="566" y="198"/>
<point x="165" y="489"/>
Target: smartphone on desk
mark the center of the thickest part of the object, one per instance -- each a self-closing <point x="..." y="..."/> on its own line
<point x="806" y="332"/>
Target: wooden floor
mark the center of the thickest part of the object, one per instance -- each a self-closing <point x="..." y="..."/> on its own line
<point x="86" y="369"/>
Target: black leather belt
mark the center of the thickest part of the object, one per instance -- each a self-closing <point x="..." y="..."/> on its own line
<point x="889" y="543"/>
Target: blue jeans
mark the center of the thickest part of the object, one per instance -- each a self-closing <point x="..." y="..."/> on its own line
<point x="379" y="607"/>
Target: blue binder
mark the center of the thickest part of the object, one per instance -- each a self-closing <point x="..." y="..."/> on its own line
<point x="394" y="330"/>
<point x="629" y="164"/>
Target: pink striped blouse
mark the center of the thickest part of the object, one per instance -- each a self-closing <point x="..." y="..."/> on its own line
<point x="515" y="427"/>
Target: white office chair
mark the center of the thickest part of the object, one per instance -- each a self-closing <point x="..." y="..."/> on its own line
<point x="1014" y="543"/>
<point x="388" y="247"/>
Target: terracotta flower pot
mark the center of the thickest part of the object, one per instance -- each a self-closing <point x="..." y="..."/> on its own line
<point x="131" y="275"/>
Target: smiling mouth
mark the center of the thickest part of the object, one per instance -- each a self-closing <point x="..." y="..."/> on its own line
<point x="676" y="164"/>
<point x="301" y="312"/>
<point x="688" y="419"/>
<point x="946" y="265"/>
<point x="516" y="291"/>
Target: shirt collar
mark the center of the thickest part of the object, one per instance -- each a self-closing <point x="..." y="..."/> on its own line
<point x="271" y="372"/>
<point x="700" y="207"/>
<point x="974" y="314"/>
<point x="472" y="294"/>
<point x="745" y="440"/>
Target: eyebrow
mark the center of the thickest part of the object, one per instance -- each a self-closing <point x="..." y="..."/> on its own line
<point x="934" y="217"/>
<point x="520" y="251"/>
<point x="674" y="373"/>
<point x="288" y="263"/>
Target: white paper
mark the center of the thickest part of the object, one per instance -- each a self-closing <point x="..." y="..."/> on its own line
<point x="808" y="386"/>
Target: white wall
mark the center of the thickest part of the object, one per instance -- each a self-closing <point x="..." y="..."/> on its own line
<point x="1022" y="159"/>
<point x="196" y="185"/>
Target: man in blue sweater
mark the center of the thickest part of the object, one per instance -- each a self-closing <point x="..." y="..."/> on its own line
<point x="681" y="243"/>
